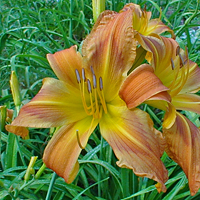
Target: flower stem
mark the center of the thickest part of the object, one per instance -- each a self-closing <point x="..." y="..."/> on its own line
<point x="54" y="177"/>
<point x="40" y="171"/>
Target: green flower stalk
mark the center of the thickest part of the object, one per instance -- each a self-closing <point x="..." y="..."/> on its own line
<point x="98" y="6"/>
<point x="40" y="171"/>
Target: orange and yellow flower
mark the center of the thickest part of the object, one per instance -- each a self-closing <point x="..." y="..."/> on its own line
<point x="87" y="94"/>
<point x="173" y="67"/>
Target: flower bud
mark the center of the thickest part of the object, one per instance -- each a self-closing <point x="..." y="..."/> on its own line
<point x="98" y="6"/>
<point x="14" y="84"/>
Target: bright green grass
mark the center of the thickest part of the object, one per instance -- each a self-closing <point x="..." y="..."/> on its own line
<point x="28" y="31"/>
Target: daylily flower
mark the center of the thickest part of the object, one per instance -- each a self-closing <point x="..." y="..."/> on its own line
<point x="87" y="94"/>
<point x="173" y="67"/>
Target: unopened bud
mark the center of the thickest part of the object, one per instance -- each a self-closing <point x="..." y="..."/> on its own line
<point x="30" y="169"/>
<point x="14" y="84"/>
<point x="98" y="6"/>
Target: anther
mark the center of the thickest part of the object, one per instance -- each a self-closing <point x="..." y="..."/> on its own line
<point x="101" y="83"/>
<point x="89" y="86"/>
<point x="92" y="69"/>
<point x="83" y="74"/>
<point x="78" y="76"/>
<point x="177" y="50"/>
<point x="181" y="60"/>
<point x="172" y="64"/>
<point x="94" y="81"/>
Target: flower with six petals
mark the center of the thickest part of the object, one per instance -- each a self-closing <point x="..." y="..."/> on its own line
<point x="87" y="95"/>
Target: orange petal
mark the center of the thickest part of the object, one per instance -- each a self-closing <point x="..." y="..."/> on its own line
<point x="183" y="140"/>
<point x="56" y="104"/>
<point x="135" y="142"/>
<point x="190" y="102"/>
<point x="64" y="64"/>
<point x="61" y="153"/>
<point x="110" y="49"/>
<point x="17" y="130"/>
<point x="141" y="85"/>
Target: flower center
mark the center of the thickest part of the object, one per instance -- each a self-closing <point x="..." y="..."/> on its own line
<point x="93" y="96"/>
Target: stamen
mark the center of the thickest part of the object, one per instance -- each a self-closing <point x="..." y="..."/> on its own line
<point x="78" y="76"/>
<point x="94" y="81"/>
<point x="102" y="99"/>
<point x="100" y="83"/>
<point x="83" y="74"/>
<point x="96" y="103"/>
<point x="177" y="51"/>
<point x="172" y="64"/>
<point x="101" y="95"/>
<point x="181" y="60"/>
<point x="91" y="102"/>
<point x="89" y="86"/>
<point x="78" y="140"/>
<point x="86" y="108"/>
<point x="92" y="69"/>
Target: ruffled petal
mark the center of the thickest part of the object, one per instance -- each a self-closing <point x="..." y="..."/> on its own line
<point x="190" y="102"/>
<point x="141" y="85"/>
<point x="183" y="146"/>
<point x="61" y="153"/>
<point x="135" y="142"/>
<point x="110" y="49"/>
<point x="56" y="104"/>
<point x="64" y="63"/>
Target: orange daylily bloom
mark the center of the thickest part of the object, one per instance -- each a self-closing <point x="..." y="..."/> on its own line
<point x="87" y="94"/>
<point x="181" y="76"/>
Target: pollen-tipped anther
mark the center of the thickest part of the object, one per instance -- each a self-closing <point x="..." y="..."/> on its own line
<point x="181" y="60"/>
<point x="89" y="86"/>
<point x="94" y="81"/>
<point x="92" y="69"/>
<point x="100" y="83"/>
<point x="172" y="64"/>
<point x="177" y="51"/>
<point x="83" y="74"/>
<point x="78" y="76"/>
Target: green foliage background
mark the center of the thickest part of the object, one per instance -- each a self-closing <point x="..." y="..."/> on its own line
<point x="31" y="29"/>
